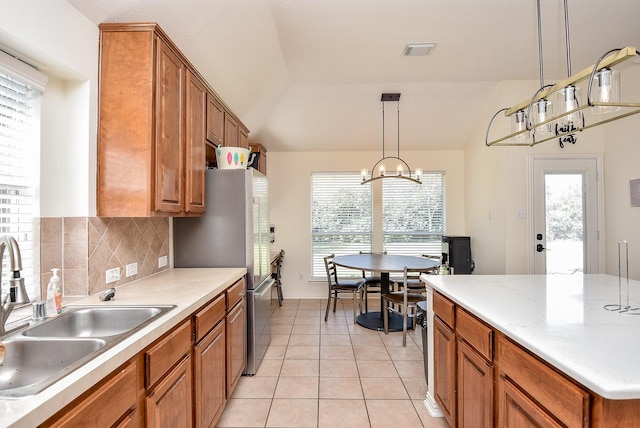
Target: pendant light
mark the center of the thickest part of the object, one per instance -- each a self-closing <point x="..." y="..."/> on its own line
<point x="533" y="121"/>
<point x="380" y="167"/>
<point x="569" y="98"/>
<point x="542" y="108"/>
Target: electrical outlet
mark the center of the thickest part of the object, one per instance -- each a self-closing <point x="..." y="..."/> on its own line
<point x="162" y="261"/>
<point x="112" y="275"/>
<point x="521" y="213"/>
<point x="131" y="269"/>
<point x="300" y="276"/>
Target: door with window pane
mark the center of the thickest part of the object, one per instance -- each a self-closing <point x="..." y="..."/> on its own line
<point x="565" y="215"/>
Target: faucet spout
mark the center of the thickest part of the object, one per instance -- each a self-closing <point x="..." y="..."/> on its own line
<point x="17" y="293"/>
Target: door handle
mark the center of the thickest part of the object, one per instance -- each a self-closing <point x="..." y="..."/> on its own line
<point x="540" y="248"/>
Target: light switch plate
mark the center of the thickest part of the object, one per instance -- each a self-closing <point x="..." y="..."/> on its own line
<point x="131" y="269"/>
<point x="635" y="192"/>
<point x="112" y="275"/>
<point x="162" y="261"/>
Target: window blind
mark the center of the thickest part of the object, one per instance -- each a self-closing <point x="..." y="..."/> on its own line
<point x="413" y="215"/>
<point x="341" y="217"/>
<point x="17" y="125"/>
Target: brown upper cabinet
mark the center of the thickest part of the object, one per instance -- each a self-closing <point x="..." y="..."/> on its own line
<point x="215" y="120"/>
<point x="156" y="113"/>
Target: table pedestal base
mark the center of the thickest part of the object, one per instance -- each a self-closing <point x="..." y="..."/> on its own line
<point x="374" y="321"/>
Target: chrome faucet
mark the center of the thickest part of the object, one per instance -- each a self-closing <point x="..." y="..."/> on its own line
<point x="17" y="293"/>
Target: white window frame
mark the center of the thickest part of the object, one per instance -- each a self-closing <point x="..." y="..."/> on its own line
<point x="375" y="232"/>
<point x="328" y="189"/>
<point x="20" y="93"/>
<point x="419" y="211"/>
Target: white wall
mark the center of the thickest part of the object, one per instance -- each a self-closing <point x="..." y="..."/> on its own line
<point x="497" y="184"/>
<point x="289" y="176"/>
<point x="621" y="164"/>
<point x="63" y="44"/>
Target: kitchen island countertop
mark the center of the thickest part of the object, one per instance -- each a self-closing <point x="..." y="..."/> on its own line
<point x="188" y="289"/>
<point x="560" y="318"/>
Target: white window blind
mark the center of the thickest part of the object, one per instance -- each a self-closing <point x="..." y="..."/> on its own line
<point x="341" y="217"/>
<point x="413" y="215"/>
<point x="19" y="125"/>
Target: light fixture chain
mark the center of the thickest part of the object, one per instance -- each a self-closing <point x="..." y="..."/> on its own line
<point x="382" y="130"/>
<point x="541" y="61"/>
<point x="567" y="41"/>
<point x="398" y="128"/>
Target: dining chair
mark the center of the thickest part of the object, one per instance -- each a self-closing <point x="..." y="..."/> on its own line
<point x="372" y="283"/>
<point x="276" y="275"/>
<point x="413" y="281"/>
<point x="402" y="302"/>
<point x="341" y="286"/>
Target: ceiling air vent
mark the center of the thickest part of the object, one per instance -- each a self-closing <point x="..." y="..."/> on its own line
<point x="419" y="49"/>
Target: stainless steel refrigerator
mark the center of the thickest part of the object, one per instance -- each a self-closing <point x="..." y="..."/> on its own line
<point x="234" y="232"/>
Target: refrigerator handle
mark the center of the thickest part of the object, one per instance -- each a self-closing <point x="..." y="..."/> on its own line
<point x="264" y="288"/>
<point x="256" y="201"/>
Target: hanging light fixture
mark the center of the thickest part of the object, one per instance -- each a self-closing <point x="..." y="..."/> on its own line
<point x="533" y="121"/>
<point x="380" y="167"/>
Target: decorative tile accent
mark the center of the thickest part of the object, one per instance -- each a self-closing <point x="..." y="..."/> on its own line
<point x="85" y="247"/>
<point x="118" y="242"/>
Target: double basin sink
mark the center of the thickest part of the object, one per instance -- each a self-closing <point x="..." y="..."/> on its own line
<point x="43" y="353"/>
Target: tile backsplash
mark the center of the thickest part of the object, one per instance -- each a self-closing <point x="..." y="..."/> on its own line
<point x="85" y="247"/>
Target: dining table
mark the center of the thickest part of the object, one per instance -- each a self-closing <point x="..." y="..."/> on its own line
<point x="384" y="264"/>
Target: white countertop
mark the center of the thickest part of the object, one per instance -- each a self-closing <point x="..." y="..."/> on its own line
<point x="188" y="289"/>
<point x="560" y="318"/>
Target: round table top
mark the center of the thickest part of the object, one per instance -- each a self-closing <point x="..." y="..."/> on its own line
<point x="384" y="262"/>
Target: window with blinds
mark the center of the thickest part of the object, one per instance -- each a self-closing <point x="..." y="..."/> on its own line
<point x="413" y="215"/>
<point x="341" y="217"/>
<point x="17" y="129"/>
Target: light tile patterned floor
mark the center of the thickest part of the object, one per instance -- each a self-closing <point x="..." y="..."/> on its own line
<point x="328" y="374"/>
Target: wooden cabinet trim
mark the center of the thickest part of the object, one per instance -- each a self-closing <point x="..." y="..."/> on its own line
<point x="517" y="409"/>
<point x="152" y="153"/>
<point x="235" y="293"/>
<point x="236" y="349"/>
<point x="170" y="403"/>
<point x="475" y="332"/>
<point x="444" y="343"/>
<point x="445" y="309"/>
<point x="166" y="353"/>
<point x="474" y="388"/>
<point x="215" y="120"/>
<point x="209" y="316"/>
<point x="210" y="391"/>
<point x="559" y="395"/>
<point x="118" y="394"/>
<point x="195" y="137"/>
<point x="169" y="187"/>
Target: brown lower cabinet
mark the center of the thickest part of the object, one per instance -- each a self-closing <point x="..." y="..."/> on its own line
<point x="444" y="360"/>
<point x="183" y="379"/>
<point x="484" y="379"/>
<point x="169" y="403"/>
<point x="112" y="403"/>
<point x="235" y="345"/>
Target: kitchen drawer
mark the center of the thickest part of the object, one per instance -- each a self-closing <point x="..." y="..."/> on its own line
<point x="235" y="293"/>
<point x="557" y="394"/>
<point x="209" y="316"/>
<point x="475" y="333"/>
<point x="166" y="353"/>
<point x="445" y="309"/>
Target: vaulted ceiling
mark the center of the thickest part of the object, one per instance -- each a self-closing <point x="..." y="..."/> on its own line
<point x="306" y="75"/>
